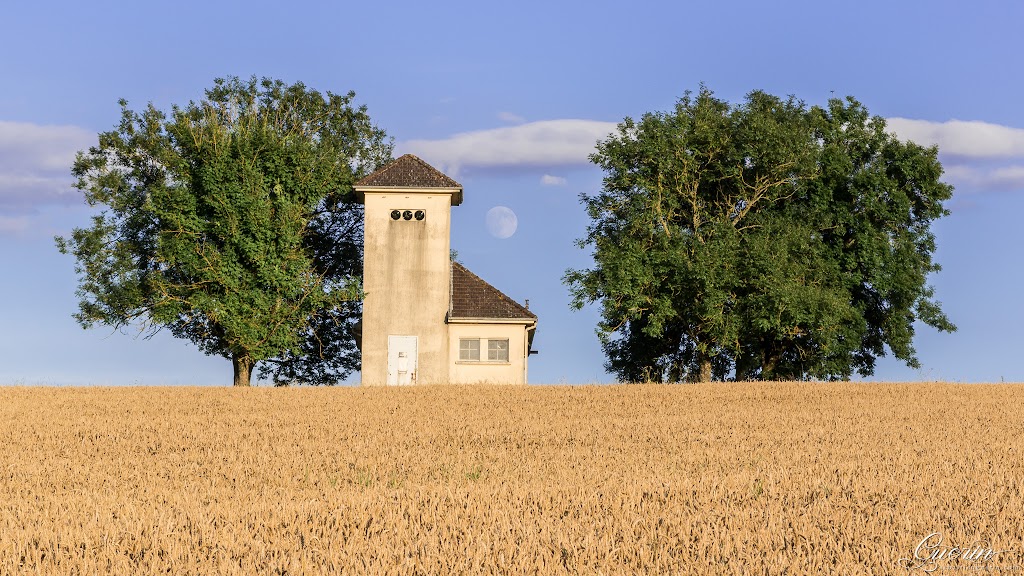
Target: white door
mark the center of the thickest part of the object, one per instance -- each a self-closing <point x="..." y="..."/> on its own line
<point x="402" y="360"/>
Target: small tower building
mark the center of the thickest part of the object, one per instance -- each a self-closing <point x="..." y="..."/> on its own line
<point x="427" y="319"/>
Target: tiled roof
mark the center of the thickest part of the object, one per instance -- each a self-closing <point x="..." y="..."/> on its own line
<point x="474" y="298"/>
<point x="409" y="172"/>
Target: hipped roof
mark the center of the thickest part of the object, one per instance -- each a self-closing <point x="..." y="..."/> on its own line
<point x="472" y="297"/>
<point x="408" y="171"/>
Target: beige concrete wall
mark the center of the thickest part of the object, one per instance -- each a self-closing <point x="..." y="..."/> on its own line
<point x="483" y="372"/>
<point x="406" y="277"/>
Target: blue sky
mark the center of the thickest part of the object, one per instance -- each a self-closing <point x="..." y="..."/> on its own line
<point x="508" y="99"/>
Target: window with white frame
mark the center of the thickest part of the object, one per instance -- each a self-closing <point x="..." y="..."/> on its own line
<point x="497" y="350"/>
<point x="469" y="349"/>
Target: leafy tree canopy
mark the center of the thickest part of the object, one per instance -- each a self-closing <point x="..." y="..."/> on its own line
<point x="231" y="223"/>
<point x="765" y="240"/>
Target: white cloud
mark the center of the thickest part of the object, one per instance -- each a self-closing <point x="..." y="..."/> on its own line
<point x="970" y="139"/>
<point x="976" y="156"/>
<point x="13" y="225"/>
<point x="1008" y="177"/>
<point x="969" y="178"/>
<point x="959" y="172"/>
<point x="511" y="118"/>
<point x="35" y="164"/>
<point x="535" y="144"/>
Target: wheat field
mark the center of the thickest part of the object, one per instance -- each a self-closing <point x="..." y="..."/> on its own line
<point x="780" y="478"/>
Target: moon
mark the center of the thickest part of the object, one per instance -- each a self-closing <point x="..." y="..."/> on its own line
<point x="502" y="222"/>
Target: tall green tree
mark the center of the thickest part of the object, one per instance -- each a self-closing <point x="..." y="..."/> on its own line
<point x="765" y="240"/>
<point x="231" y="223"/>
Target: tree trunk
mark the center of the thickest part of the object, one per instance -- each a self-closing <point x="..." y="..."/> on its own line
<point x="771" y="360"/>
<point x="703" y="365"/>
<point x="242" y="365"/>
<point x="705" y="369"/>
